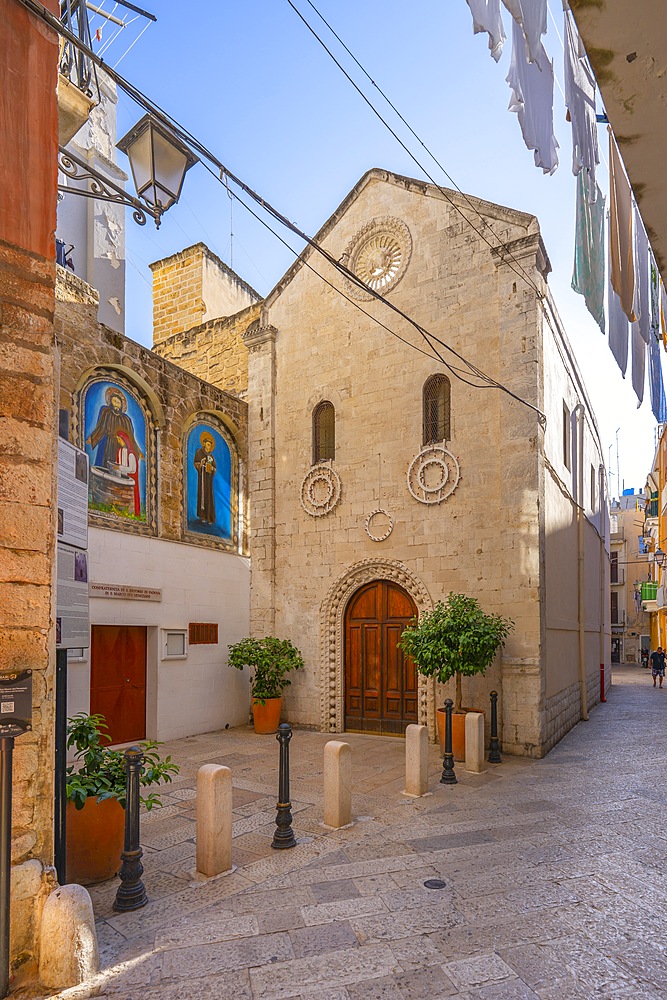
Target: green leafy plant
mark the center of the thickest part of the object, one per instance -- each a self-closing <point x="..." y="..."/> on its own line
<point x="100" y="772"/>
<point x="271" y="660"/>
<point x="456" y="639"/>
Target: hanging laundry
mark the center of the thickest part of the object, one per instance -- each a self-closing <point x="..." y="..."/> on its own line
<point x="618" y="329"/>
<point x="638" y="363"/>
<point x="588" y="272"/>
<point x="486" y="16"/>
<point x="641" y="300"/>
<point x="663" y="315"/>
<point x="580" y="101"/>
<point x="621" y="254"/>
<point x="658" y="401"/>
<point x="532" y="86"/>
<point x="654" y="296"/>
<point x="531" y="16"/>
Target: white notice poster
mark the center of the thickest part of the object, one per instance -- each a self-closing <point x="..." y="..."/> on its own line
<point x="72" y="623"/>
<point x="72" y="495"/>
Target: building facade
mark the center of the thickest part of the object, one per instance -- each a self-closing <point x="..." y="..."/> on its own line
<point x="379" y="482"/>
<point x="630" y="570"/>
<point x="167" y="565"/>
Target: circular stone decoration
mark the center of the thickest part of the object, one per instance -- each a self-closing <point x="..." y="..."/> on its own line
<point x="379" y="254"/>
<point x="320" y="490"/>
<point x="433" y="474"/>
<point x="379" y="525"/>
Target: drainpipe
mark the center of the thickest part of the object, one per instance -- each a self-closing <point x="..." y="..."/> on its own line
<point x="603" y="526"/>
<point x="579" y="411"/>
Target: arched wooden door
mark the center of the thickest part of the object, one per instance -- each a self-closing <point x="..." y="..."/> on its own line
<point x="380" y="683"/>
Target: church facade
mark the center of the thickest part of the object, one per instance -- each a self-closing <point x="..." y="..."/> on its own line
<point x="380" y="479"/>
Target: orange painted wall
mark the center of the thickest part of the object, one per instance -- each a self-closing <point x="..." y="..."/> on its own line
<point x="29" y="122"/>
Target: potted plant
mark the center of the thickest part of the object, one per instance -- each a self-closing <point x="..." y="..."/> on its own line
<point x="456" y="639"/>
<point x="95" y="791"/>
<point x="271" y="660"/>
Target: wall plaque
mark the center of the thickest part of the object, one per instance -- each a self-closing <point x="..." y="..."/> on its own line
<point x="15" y="703"/>
<point x="124" y="592"/>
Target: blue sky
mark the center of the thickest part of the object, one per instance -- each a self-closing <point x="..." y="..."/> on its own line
<point x="255" y="87"/>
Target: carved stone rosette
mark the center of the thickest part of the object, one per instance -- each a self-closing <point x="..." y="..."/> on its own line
<point x="379" y="524"/>
<point x="332" y="616"/>
<point x="433" y="474"/>
<point x="320" y="490"/>
<point x="379" y="255"/>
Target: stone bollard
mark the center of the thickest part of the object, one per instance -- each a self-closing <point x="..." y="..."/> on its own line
<point x="474" y="742"/>
<point x="416" y="760"/>
<point x="337" y="784"/>
<point x="68" y="953"/>
<point x="214" y="819"/>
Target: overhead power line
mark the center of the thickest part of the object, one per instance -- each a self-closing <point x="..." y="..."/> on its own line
<point x="224" y="174"/>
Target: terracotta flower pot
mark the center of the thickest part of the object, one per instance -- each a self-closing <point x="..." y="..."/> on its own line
<point x="267" y="717"/>
<point x="458" y="733"/>
<point x="94" y="840"/>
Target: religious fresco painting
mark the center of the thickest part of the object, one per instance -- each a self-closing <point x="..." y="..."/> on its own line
<point x="115" y="440"/>
<point x="209" y="482"/>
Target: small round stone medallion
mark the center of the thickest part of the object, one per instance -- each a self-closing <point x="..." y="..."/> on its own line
<point x="320" y="490"/>
<point x="433" y="474"/>
<point x="379" y="525"/>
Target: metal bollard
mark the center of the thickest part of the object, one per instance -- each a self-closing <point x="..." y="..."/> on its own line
<point x="131" y="893"/>
<point x="6" y="757"/>
<point x="283" y="836"/>
<point x="494" y="744"/>
<point x="448" y="776"/>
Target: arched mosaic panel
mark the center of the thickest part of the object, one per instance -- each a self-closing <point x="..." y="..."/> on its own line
<point x="211" y="481"/>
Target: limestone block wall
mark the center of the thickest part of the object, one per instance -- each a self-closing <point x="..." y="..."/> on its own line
<point x="485" y="538"/>
<point x="29" y="114"/>
<point x="173" y="395"/>
<point x="192" y="287"/>
<point x="214" y="351"/>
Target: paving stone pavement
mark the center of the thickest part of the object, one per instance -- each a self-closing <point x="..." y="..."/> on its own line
<point x="555" y="874"/>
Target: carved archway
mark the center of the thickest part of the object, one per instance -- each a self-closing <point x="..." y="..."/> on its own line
<point x="332" y="613"/>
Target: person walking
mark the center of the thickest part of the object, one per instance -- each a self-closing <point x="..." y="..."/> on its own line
<point x="658" y="665"/>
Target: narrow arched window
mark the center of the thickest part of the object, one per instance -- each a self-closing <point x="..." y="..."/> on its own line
<point x="436" y="406"/>
<point x="324" y="432"/>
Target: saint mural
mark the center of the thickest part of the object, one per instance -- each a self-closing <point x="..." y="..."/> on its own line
<point x="115" y="439"/>
<point x="209" y="482"/>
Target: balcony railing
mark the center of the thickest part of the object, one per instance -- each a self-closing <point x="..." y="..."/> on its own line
<point x="75" y="65"/>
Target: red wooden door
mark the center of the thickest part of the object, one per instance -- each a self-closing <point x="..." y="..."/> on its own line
<point x="380" y="683"/>
<point x="118" y="679"/>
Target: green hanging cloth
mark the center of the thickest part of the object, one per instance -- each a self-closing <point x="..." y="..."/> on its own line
<point x="588" y="272"/>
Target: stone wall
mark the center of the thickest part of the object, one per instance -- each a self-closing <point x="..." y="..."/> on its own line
<point x="29" y="115"/>
<point x="173" y="397"/>
<point x="192" y="287"/>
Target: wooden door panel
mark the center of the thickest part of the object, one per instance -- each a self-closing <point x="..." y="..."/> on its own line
<point x="380" y="685"/>
<point x="118" y="680"/>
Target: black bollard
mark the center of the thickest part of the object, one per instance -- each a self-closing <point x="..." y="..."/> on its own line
<point x="6" y="755"/>
<point x="131" y="893"/>
<point x="494" y="745"/>
<point x="284" y="834"/>
<point x="448" y="776"/>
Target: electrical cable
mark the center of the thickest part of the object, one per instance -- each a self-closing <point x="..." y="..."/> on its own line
<point x="166" y="119"/>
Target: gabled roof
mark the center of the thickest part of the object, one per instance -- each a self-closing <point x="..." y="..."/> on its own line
<point x="468" y="205"/>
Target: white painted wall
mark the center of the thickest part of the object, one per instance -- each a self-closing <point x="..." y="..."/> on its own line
<point x="198" y="694"/>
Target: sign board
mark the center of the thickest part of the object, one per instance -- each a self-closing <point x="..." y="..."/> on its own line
<point x="72" y="620"/>
<point x="72" y="495"/>
<point x="15" y="703"/>
<point x="125" y="592"/>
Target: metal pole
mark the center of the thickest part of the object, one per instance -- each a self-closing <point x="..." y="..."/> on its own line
<point x="283" y="836"/>
<point x="602" y="678"/>
<point x="60" y="782"/>
<point x="494" y="745"/>
<point x="131" y="893"/>
<point x="6" y="754"/>
<point x="448" y="776"/>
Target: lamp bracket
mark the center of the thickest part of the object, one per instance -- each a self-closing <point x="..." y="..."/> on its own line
<point x="101" y="188"/>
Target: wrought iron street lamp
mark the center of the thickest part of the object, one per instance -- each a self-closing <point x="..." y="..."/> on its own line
<point x="660" y="557"/>
<point x="159" y="161"/>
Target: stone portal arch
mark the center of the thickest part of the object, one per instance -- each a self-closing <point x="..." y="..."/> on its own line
<point x="332" y="614"/>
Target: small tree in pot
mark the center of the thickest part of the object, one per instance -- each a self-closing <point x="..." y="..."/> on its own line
<point x="271" y="660"/>
<point x="456" y="639"/>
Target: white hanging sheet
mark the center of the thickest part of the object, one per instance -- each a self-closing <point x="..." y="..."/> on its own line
<point x="486" y="16"/>
<point x="621" y="250"/>
<point x="532" y="86"/>
<point x="531" y="16"/>
<point x="580" y="101"/>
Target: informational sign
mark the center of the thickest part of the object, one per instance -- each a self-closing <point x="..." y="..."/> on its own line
<point x="72" y="495"/>
<point x="72" y="621"/>
<point x="121" y="591"/>
<point x="15" y="703"/>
